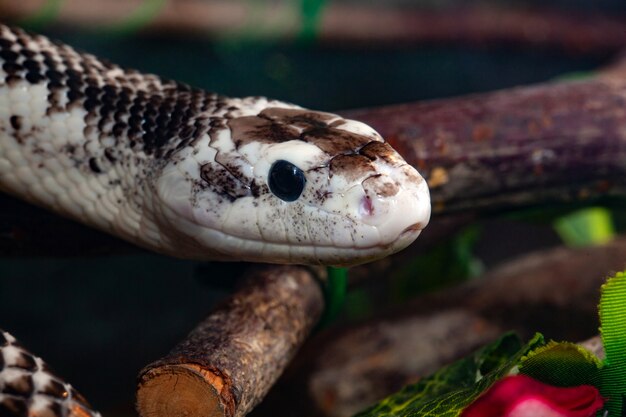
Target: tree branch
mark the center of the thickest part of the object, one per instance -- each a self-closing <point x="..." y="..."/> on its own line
<point x="558" y="142"/>
<point x="229" y="361"/>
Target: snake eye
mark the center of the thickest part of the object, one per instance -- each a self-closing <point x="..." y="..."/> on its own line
<point x="286" y="180"/>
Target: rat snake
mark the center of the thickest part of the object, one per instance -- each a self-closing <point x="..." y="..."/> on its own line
<point x="187" y="173"/>
<point x="194" y="174"/>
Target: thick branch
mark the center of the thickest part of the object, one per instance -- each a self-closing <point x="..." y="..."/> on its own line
<point x="560" y="142"/>
<point x="348" y="368"/>
<point x="230" y="360"/>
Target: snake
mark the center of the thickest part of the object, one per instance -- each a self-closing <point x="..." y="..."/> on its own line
<point x="187" y="173"/>
<point x="193" y="174"/>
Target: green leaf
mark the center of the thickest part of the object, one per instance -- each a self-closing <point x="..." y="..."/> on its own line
<point x="334" y="294"/>
<point x="311" y="13"/>
<point x="447" y="392"/>
<point x="562" y="364"/>
<point x="613" y="330"/>
<point x="586" y="227"/>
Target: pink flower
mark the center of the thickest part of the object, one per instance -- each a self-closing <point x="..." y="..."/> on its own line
<point x="522" y="396"/>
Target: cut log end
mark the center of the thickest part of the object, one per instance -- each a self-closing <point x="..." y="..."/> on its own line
<point x="227" y="364"/>
<point x="183" y="390"/>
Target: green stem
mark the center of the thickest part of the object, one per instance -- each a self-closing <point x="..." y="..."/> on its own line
<point x="334" y="294"/>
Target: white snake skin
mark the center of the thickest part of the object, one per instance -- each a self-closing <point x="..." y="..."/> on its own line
<point x="185" y="172"/>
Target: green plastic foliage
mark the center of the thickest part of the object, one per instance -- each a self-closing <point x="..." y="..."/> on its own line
<point x="562" y="364"/>
<point x="334" y="294"/>
<point x="585" y="227"/>
<point x="613" y="321"/>
<point x="311" y="12"/>
<point x="447" y="392"/>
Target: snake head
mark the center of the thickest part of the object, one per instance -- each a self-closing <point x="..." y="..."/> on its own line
<point x="278" y="183"/>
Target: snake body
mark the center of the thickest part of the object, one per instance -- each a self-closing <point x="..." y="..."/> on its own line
<point x="29" y="388"/>
<point x="194" y="174"/>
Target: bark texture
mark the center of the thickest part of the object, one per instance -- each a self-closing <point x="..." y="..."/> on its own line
<point x="229" y="361"/>
<point x="560" y="142"/>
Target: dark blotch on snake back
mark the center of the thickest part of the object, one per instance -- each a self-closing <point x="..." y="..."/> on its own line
<point x="22" y="386"/>
<point x="16" y="122"/>
<point x="5" y="44"/>
<point x="141" y="112"/>
<point x="55" y="409"/>
<point x="8" y="55"/>
<point x="26" y="361"/>
<point x="31" y="65"/>
<point x="55" y="389"/>
<point x="11" y="68"/>
<point x="93" y="165"/>
<point x="11" y="406"/>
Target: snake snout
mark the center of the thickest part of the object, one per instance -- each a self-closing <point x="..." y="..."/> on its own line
<point x="397" y="206"/>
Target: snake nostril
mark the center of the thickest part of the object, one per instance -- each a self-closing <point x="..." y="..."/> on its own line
<point x="366" y="207"/>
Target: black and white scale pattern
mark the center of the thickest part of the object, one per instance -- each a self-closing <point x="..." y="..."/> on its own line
<point x="185" y="172"/>
<point x="29" y="389"/>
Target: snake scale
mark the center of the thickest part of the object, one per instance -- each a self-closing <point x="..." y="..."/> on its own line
<point x="194" y="174"/>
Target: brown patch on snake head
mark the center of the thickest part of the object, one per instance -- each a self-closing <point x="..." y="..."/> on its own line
<point x="256" y="129"/>
<point x="276" y="125"/>
<point x="381" y="185"/>
<point x="411" y="174"/>
<point x="298" y="117"/>
<point x="382" y="150"/>
<point x="334" y="141"/>
<point x="352" y="167"/>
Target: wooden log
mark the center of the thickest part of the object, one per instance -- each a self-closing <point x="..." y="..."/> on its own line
<point x="229" y="361"/>
<point x="560" y="142"/>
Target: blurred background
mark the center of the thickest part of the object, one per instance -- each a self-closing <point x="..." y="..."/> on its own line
<point x="97" y="320"/>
